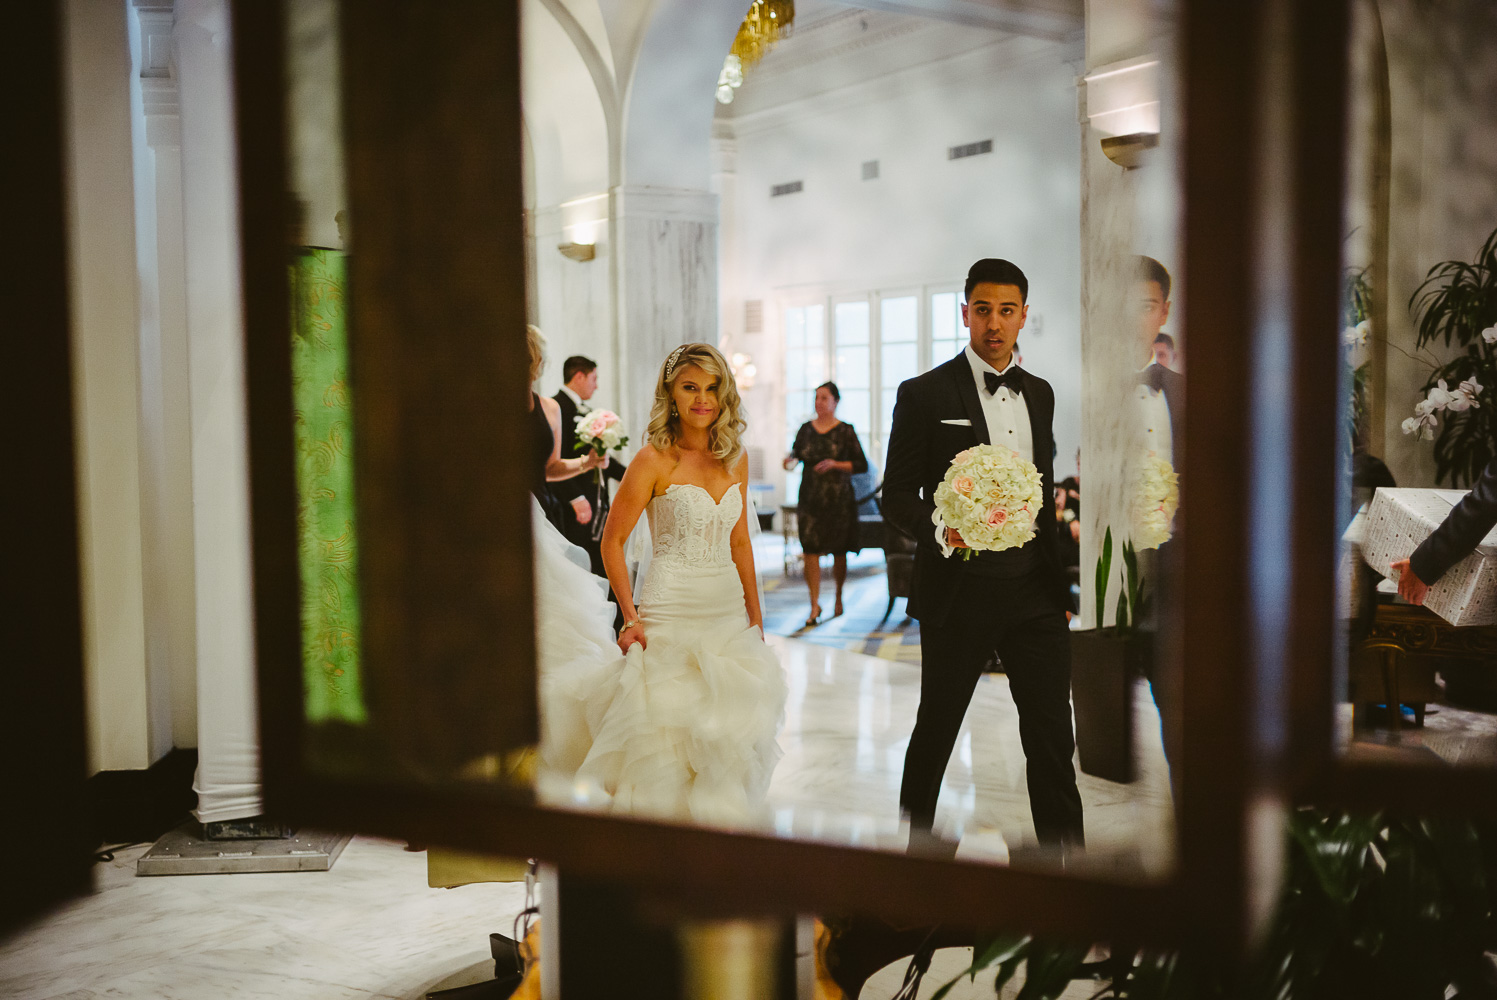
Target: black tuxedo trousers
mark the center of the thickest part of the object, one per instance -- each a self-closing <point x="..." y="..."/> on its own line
<point x="1018" y="621"/>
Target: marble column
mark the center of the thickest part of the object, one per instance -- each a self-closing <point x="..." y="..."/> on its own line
<point x="665" y="276"/>
<point x="1124" y="213"/>
<point x="228" y="779"/>
<point x="165" y="416"/>
<point x="106" y="378"/>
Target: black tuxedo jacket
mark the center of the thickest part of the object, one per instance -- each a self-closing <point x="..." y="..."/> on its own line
<point x="566" y="490"/>
<point x="1461" y="531"/>
<point x="921" y="448"/>
<point x="1172" y="384"/>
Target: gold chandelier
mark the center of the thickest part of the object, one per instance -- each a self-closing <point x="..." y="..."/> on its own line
<point x="767" y="22"/>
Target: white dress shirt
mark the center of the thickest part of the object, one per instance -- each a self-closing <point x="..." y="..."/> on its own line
<point x="582" y="406"/>
<point x="1154" y="422"/>
<point x="1006" y="412"/>
<point x="1007" y="417"/>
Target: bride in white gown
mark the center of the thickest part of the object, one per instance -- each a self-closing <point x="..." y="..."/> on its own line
<point x="683" y="724"/>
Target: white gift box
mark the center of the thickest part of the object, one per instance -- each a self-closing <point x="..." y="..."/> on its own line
<point x="1399" y="520"/>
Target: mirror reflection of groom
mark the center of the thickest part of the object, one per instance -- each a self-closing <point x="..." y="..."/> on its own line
<point x="584" y="503"/>
<point x="1013" y="603"/>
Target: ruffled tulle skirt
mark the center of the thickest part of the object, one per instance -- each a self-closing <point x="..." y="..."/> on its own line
<point x="681" y="728"/>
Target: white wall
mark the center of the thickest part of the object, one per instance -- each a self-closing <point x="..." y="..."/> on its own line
<point x="618" y="105"/>
<point x="106" y="382"/>
<point x="1443" y="76"/>
<point x="926" y="218"/>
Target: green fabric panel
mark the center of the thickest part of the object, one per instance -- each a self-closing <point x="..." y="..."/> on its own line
<point x="324" y="482"/>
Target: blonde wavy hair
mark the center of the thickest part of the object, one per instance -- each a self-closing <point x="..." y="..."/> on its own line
<point x="725" y="435"/>
<point x="535" y="343"/>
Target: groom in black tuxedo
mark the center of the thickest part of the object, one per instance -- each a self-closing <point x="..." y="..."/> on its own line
<point x="583" y="505"/>
<point x="1013" y="603"/>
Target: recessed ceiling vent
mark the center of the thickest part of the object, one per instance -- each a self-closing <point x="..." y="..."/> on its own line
<point x="870" y="170"/>
<point x="970" y="149"/>
<point x="791" y="188"/>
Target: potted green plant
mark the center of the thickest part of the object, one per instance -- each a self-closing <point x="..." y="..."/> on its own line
<point x="1105" y="663"/>
<point x="1457" y="305"/>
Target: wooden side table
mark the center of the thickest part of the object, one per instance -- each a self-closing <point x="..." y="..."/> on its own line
<point x="1398" y="660"/>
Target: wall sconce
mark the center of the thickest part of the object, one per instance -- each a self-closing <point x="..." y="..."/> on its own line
<point x="578" y="251"/>
<point x="1129" y="151"/>
<point x="1122" y="103"/>
<point x="744" y="369"/>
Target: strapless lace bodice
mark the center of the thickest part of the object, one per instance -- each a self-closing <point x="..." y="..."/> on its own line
<point x="688" y="529"/>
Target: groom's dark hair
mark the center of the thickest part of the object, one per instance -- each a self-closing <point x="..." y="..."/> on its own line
<point x="1149" y="269"/>
<point x="996" y="271"/>
<point x="576" y="364"/>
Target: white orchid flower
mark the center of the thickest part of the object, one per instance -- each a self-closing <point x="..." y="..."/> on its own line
<point x="1440" y="396"/>
<point x="1422" y="426"/>
<point x="1490" y="334"/>
<point x="1464" y="397"/>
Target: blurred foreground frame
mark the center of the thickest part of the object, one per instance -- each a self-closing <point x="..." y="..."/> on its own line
<point x="436" y="330"/>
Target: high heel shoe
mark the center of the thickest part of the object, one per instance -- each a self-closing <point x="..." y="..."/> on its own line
<point x="815" y="615"/>
<point x="837" y="610"/>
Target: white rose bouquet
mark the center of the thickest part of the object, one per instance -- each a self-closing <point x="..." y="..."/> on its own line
<point x="601" y="431"/>
<point x="992" y="497"/>
<point x="1156" y="497"/>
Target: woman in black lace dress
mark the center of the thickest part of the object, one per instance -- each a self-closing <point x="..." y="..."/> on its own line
<point x="546" y="463"/>
<point x="827" y="514"/>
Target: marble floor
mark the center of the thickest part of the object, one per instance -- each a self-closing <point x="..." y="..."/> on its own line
<point x="369" y="927"/>
<point x="847" y="724"/>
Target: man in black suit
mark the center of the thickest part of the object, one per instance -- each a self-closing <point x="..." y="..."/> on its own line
<point x="1161" y="402"/>
<point x="1013" y="603"/>
<point x="1456" y="538"/>
<point x="1151" y="291"/>
<point x="584" y="503"/>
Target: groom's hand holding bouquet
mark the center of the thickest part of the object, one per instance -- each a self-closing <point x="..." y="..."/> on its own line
<point x="988" y="501"/>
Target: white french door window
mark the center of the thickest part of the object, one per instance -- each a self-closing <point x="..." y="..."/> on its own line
<point x="898" y="359"/>
<point x="947" y="335"/>
<point x="805" y="369"/>
<point x="852" y="337"/>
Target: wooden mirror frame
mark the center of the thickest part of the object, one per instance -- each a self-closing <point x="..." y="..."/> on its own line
<point x="1256" y="152"/>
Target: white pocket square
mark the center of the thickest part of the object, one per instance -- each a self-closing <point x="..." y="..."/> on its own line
<point x="958" y="423"/>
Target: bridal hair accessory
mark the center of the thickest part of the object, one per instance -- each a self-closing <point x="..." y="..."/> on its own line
<point x="670" y="363"/>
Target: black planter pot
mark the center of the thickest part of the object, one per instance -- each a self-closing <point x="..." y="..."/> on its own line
<point x="1104" y="666"/>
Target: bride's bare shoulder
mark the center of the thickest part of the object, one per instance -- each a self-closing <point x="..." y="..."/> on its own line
<point x="654" y="463"/>
<point x="651" y="456"/>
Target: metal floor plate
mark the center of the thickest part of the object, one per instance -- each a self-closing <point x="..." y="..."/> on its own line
<point x="184" y="852"/>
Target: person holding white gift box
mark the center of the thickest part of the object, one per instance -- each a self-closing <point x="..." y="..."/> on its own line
<point x="1456" y="538"/>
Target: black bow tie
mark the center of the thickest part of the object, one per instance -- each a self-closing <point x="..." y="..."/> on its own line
<point x="1153" y="377"/>
<point x="1010" y="380"/>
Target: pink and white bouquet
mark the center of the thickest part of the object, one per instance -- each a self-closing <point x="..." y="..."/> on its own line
<point x="601" y="431"/>
<point x="992" y="497"/>
<point x="1156" y="497"/>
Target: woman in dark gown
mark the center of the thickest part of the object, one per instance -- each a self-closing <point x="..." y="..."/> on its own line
<point x="544" y="431"/>
<point x="827" y="514"/>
